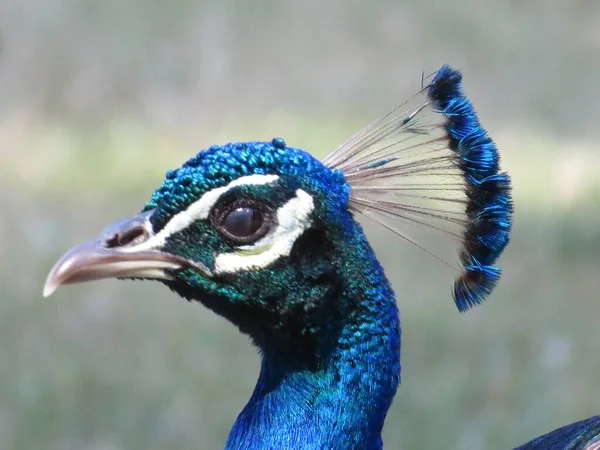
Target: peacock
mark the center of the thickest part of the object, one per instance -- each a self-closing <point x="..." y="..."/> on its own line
<point x="267" y="236"/>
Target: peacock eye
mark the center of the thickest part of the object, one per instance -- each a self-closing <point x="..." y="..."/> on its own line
<point x="244" y="224"/>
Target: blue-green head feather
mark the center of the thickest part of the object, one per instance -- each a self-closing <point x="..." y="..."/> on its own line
<point x="292" y="269"/>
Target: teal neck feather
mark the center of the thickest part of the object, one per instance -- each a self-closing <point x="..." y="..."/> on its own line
<point x="335" y="394"/>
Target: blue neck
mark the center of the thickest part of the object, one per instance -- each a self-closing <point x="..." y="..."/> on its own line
<point x="340" y="400"/>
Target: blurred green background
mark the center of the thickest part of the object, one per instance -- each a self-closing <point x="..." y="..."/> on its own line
<point x="99" y="98"/>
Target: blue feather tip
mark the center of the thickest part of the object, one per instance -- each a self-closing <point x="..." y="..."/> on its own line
<point x="489" y="208"/>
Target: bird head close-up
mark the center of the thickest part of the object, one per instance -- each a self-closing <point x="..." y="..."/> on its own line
<point x="266" y="236"/>
<point x="259" y="233"/>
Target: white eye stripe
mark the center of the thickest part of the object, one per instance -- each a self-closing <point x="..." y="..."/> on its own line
<point x="198" y="210"/>
<point x="293" y="219"/>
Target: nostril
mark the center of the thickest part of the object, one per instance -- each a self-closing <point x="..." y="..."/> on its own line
<point x="132" y="236"/>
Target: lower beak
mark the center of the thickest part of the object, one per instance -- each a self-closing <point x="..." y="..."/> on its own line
<point x="113" y="254"/>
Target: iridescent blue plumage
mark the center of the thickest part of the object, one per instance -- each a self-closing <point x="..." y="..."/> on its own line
<point x="582" y="435"/>
<point x="324" y="317"/>
<point x="220" y="164"/>
<point x="490" y="207"/>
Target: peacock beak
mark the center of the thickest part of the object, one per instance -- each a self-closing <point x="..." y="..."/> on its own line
<point x="120" y="251"/>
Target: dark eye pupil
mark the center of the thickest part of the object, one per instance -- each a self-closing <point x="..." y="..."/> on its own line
<point x="243" y="222"/>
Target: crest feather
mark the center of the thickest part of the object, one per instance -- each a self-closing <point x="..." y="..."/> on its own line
<point x="428" y="162"/>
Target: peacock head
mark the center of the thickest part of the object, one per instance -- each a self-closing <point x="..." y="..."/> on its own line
<point x="248" y="229"/>
<point x="262" y="233"/>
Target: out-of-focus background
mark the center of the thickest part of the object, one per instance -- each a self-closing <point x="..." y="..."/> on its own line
<point x="99" y="99"/>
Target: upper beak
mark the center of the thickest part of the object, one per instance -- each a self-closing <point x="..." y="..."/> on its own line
<point x="114" y="254"/>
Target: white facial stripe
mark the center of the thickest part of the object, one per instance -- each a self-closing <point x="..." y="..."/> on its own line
<point x="293" y="218"/>
<point x="198" y="210"/>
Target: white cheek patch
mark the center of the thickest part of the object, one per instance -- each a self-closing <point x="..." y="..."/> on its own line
<point x="199" y="210"/>
<point x="293" y="219"/>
